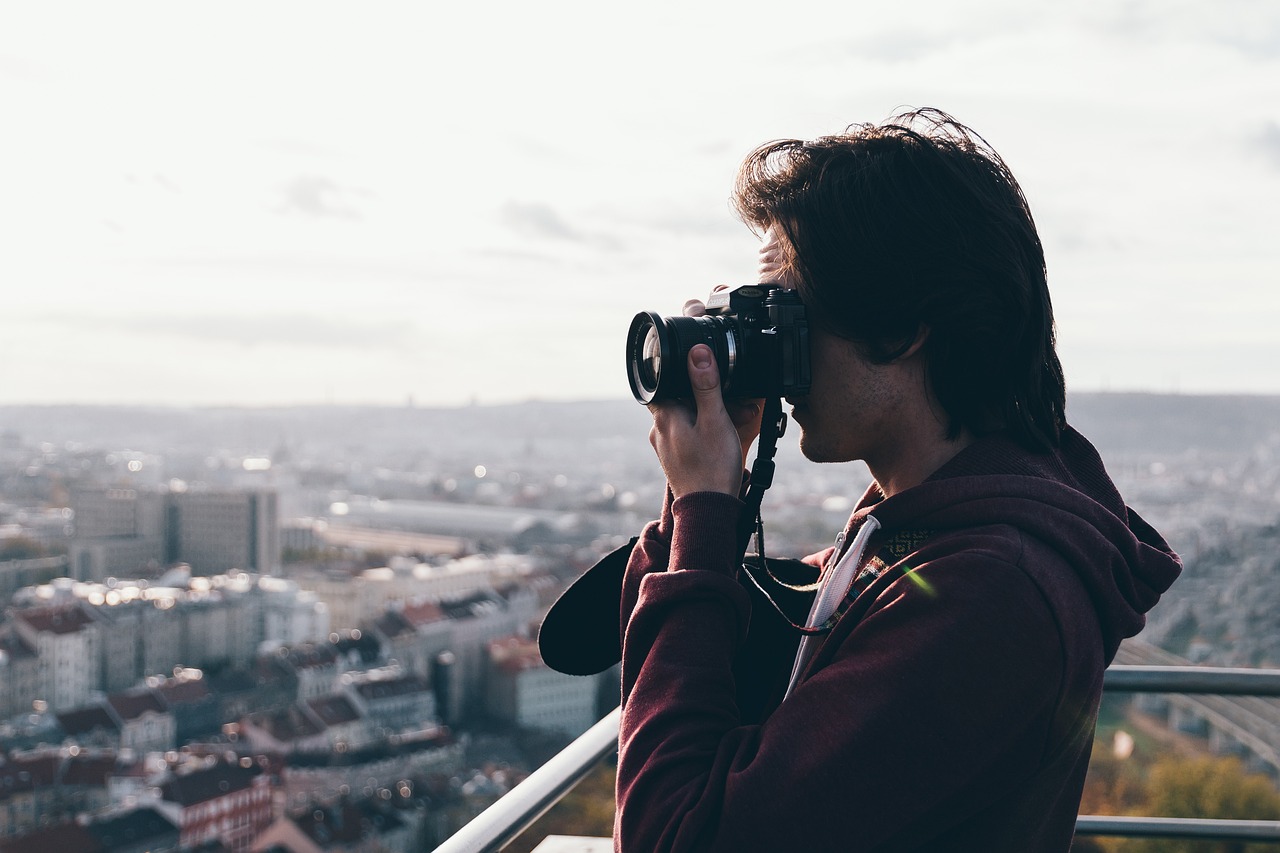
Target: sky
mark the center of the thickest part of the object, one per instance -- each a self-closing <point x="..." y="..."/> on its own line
<point x="277" y="203"/>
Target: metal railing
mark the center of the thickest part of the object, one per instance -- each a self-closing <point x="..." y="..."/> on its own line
<point x="498" y="825"/>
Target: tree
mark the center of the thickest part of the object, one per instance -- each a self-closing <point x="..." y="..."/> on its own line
<point x="1206" y="788"/>
<point x="20" y="548"/>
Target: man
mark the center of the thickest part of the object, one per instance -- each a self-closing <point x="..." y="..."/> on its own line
<point x="944" y="693"/>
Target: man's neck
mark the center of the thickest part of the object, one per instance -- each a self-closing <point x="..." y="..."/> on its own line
<point x="911" y="464"/>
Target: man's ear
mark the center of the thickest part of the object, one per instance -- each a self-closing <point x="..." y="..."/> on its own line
<point x="922" y="335"/>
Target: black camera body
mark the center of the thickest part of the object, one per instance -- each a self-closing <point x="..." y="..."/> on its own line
<point x="758" y="332"/>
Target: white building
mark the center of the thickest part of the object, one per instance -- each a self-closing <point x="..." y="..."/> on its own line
<point x="354" y="602"/>
<point x="66" y="641"/>
<point x="524" y="691"/>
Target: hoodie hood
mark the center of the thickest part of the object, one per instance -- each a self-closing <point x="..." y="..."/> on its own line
<point x="1063" y="498"/>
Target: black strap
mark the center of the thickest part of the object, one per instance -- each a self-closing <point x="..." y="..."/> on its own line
<point x="772" y="426"/>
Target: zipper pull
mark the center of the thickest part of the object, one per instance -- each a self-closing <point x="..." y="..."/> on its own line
<point x="835" y="555"/>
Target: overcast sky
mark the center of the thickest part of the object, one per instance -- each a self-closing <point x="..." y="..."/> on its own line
<point x="275" y="203"/>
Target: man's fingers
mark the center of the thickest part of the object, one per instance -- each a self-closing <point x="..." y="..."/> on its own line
<point x="703" y="375"/>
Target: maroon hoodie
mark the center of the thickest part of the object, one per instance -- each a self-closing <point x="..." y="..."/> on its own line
<point x="952" y="708"/>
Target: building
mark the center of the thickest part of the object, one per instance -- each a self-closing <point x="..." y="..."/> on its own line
<point x="345" y="729"/>
<point x="142" y="629"/>
<point x="127" y="533"/>
<point x="47" y="787"/>
<point x="317" y="666"/>
<point x="217" y="531"/>
<point x="525" y="692"/>
<point x="219" y="801"/>
<point x="66" y="641"/>
<point x="413" y="634"/>
<point x="19" y="673"/>
<point x="354" y="601"/>
<point x="490" y="528"/>
<point x="142" y="830"/>
<point x="91" y="726"/>
<point x="346" y="826"/>
<point x="391" y="700"/>
<point x="188" y="698"/>
<point x="117" y="532"/>
<point x="267" y="684"/>
<point x="140" y="634"/>
<point x="290" y="614"/>
<point x="15" y="574"/>
<point x="146" y="725"/>
<point x="282" y="731"/>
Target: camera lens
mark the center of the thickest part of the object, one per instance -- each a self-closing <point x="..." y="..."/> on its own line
<point x="656" y="343"/>
<point x="651" y="358"/>
<point x="647" y="350"/>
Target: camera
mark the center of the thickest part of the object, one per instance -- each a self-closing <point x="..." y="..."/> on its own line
<point x="758" y="333"/>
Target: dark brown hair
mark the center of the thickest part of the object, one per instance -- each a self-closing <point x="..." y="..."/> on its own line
<point x="916" y="226"/>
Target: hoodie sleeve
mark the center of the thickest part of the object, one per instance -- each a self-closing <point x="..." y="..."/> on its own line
<point x="936" y="706"/>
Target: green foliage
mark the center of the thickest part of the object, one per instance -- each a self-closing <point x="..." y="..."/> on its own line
<point x="1207" y="788"/>
<point x="586" y="811"/>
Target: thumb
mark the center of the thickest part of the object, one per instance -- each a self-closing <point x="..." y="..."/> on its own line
<point x="704" y="377"/>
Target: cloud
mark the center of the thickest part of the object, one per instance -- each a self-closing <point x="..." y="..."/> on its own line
<point x="1268" y="142"/>
<point x="19" y="68"/>
<point x="538" y="221"/>
<point x="318" y="196"/>
<point x="293" y="330"/>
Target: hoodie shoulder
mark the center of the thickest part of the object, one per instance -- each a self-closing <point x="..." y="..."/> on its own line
<point x="1063" y="500"/>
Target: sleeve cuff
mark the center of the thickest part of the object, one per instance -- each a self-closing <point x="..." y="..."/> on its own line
<point x="705" y="532"/>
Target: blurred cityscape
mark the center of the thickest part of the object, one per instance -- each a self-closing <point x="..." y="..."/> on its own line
<point x="314" y="628"/>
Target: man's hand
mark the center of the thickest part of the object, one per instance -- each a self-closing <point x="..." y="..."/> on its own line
<point x="698" y="445"/>
<point x="745" y="413"/>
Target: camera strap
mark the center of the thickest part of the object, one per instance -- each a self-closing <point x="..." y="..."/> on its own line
<point x="772" y="425"/>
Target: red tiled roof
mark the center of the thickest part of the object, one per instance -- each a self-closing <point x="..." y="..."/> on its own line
<point x="28" y="772"/>
<point x="176" y="691"/>
<point x="421" y="613"/>
<point x="93" y="770"/>
<point x="56" y="620"/>
<point x="67" y="838"/>
<point x="515" y="654"/>
<point x="131" y="706"/>
<point x="348" y="822"/>
<point x="391" y="625"/>
<point x="285" y="725"/>
<point x="82" y="721"/>
<point x="334" y="710"/>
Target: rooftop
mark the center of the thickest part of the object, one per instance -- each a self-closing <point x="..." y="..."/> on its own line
<point x="135" y="827"/>
<point x="209" y="783"/>
<point x="83" y="721"/>
<point x="334" y="710"/>
<point x="385" y="688"/>
<point x="132" y="705"/>
<point x="56" y="620"/>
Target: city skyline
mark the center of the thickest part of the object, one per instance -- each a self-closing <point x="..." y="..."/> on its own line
<point x="294" y="204"/>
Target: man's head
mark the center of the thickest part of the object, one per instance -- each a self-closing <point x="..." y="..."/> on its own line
<point x="916" y="232"/>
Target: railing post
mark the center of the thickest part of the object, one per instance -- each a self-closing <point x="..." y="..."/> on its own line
<point x="528" y="801"/>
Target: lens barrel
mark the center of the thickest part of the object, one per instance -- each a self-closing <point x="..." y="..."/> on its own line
<point x="658" y="353"/>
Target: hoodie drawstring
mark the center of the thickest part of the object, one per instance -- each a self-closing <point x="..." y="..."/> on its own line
<point x="835" y="584"/>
